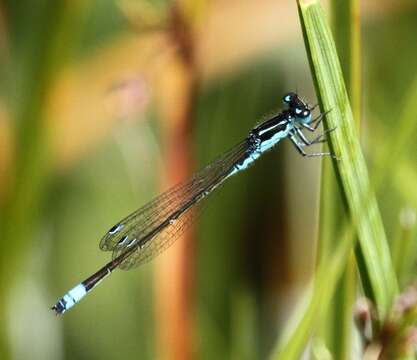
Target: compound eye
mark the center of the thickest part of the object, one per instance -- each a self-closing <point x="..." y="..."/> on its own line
<point x="306" y="113"/>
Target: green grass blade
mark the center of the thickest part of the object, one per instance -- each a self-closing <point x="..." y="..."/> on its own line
<point x="327" y="275"/>
<point x="402" y="176"/>
<point x="346" y="28"/>
<point x="377" y="273"/>
<point x="404" y="247"/>
<point x="335" y="329"/>
<point x="402" y="141"/>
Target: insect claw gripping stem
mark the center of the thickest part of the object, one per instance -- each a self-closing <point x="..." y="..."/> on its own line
<point x="314" y="107"/>
<point x="319" y="139"/>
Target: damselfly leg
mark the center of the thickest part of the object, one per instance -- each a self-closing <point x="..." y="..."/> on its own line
<point x="299" y="146"/>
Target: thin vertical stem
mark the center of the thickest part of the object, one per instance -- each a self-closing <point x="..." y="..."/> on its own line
<point x="175" y="275"/>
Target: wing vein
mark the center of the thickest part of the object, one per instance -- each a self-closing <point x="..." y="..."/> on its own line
<point x="156" y="225"/>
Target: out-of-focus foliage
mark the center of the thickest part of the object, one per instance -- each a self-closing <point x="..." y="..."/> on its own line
<point x="91" y="96"/>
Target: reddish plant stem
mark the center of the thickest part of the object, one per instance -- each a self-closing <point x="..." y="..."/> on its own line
<point x="175" y="274"/>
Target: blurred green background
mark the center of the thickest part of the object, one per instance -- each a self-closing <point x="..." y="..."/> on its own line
<point x="92" y="95"/>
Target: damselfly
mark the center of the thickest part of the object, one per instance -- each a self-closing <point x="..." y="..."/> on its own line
<point x="152" y="228"/>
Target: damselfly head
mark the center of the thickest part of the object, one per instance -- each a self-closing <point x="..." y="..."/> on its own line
<point x="298" y="107"/>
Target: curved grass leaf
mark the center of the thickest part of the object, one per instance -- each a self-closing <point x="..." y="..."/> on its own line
<point x="346" y="29"/>
<point x="327" y="275"/>
<point x="377" y="272"/>
<point x="374" y="259"/>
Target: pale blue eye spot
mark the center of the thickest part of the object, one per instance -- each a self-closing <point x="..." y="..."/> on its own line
<point x="287" y="98"/>
<point x="298" y="111"/>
